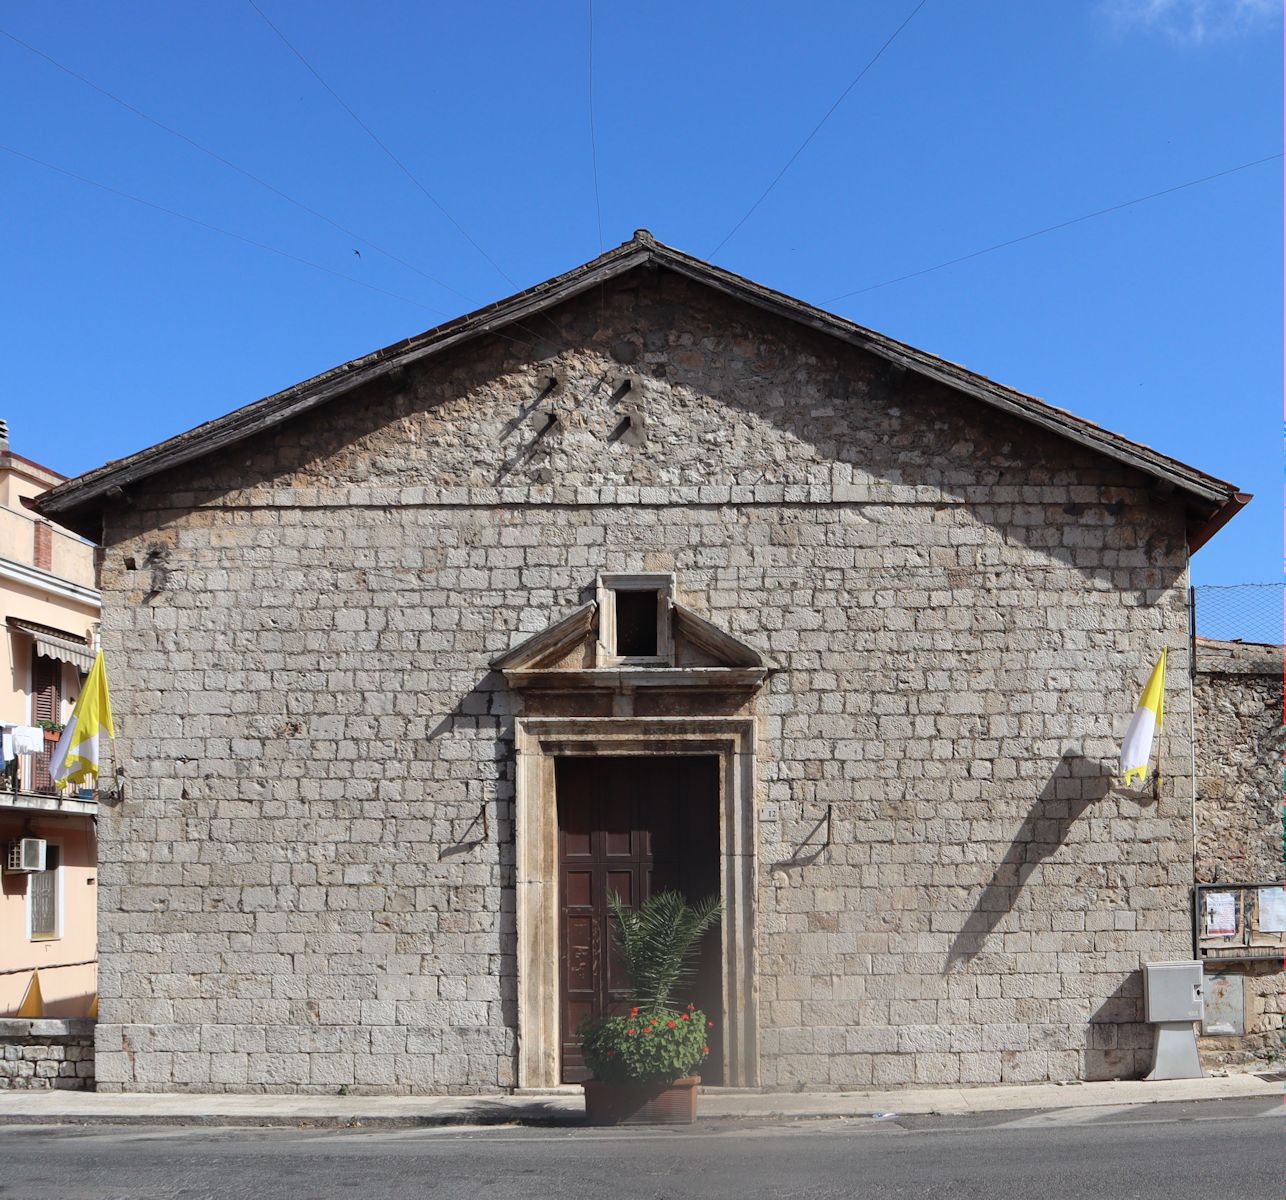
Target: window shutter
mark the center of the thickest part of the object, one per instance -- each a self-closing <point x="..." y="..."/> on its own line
<point x="46" y="680"/>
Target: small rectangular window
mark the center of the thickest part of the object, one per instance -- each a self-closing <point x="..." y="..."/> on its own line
<point x="636" y="620"/>
<point x="634" y="612"/>
<point x="44" y="897"/>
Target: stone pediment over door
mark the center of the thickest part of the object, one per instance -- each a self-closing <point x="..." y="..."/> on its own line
<point x="689" y="657"/>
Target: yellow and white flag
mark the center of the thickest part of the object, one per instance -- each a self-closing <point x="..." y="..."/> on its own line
<point x="76" y="756"/>
<point x="1136" y="750"/>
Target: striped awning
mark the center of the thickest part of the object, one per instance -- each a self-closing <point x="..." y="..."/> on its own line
<point x="56" y="643"/>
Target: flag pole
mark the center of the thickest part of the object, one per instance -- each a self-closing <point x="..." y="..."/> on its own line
<point x="1140" y="748"/>
<point x="1156" y="770"/>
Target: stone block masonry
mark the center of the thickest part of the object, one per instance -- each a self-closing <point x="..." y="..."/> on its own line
<point x="1239" y="697"/>
<point x="298" y="894"/>
<point x="41" y="1054"/>
<point x="1239" y="740"/>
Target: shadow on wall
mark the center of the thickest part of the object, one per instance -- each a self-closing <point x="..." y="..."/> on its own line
<point x="64" y="1007"/>
<point x="1077" y="782"/>
<point x="486" y="715"/>
<point x="891" y="426"/>
<point x="56" y="1006"/>
<point x="1119" y="1043"/>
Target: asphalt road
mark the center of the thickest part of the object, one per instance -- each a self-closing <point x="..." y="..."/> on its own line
<point x="1214" y="1150"/>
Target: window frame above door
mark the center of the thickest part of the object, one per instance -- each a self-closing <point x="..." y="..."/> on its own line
<point x="662" y="583"/>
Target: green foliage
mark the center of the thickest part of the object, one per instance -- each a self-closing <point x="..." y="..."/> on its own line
<point x="656" y="1045"/>
<point x="659" y="942"/>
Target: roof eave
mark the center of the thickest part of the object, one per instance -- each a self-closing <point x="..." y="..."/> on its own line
<point x="78" y="502"/>
<point x="1200" y="534"/>
<point x="88" y="490"/>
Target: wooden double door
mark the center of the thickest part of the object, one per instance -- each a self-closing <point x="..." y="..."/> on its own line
<point x="633" y="826"/>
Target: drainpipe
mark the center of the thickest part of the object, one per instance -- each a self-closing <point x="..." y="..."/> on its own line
<point x="1192" y="708"/>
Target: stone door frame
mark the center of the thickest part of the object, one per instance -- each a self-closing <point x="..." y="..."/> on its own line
<point x="538" y="741"/>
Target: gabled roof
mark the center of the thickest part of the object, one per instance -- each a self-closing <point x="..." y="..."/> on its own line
<point x="79" y="502"/>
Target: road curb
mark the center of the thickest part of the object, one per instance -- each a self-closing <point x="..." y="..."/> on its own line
<point x="565" y="1109"/>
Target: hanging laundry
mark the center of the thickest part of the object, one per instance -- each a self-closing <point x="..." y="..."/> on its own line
<point x="28" y="739"/>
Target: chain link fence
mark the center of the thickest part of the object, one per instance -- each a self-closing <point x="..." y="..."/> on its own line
<point x="1244" y="612"/>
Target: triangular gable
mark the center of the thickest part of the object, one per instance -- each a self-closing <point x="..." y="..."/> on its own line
<point x="78" y="502"/>
<point x="563" y="655"/>
<point x="554" y="644"/>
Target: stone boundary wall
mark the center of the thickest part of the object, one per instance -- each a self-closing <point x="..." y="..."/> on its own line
<point x="1238" y="694"/>
<point x="43" y="1054"/>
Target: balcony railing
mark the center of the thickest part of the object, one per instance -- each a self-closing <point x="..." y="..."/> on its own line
<point x="29" y="773"/>
<point x="36" y="767"/>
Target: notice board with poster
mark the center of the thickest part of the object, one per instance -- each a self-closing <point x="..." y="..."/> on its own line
<point x="1239" y="922"/>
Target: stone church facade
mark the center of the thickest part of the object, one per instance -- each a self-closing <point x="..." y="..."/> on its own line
<point x="646" y="511"/>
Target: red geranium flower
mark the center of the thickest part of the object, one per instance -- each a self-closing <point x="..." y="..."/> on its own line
<point x="687" y="1016"/>
<point x="705" y="1049"/>
<point x="709" y="1024"/>
<point x="692" y="1008"/>
<point x="631" y="1031"/>
<point x="634" y="1012"/>
<point x="671" y="1024"/>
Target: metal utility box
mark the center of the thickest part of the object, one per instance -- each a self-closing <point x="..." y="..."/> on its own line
<point x="1172" y="991"/>
<point x="1225" y="1005"/>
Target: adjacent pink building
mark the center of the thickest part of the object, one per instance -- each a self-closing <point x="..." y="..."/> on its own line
<point x="49" y="613"/>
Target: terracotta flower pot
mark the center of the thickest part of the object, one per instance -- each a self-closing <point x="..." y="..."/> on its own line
<point x="641" y="1103"/>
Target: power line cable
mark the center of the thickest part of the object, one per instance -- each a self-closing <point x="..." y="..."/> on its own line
<point x="286" y="254"/>
<point x="1026" y="237"/>
<point x="381" y="144"/>
<point x="790" y="162"/>
<point x="40" y="162"/>
<point x="544" y="316"/>
<point x="217" y="157"/>
<point x="214" y="154"/>
<point x="593" y="138"/>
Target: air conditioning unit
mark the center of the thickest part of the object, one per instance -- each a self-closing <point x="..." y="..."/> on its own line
<point x="25" y="855"/>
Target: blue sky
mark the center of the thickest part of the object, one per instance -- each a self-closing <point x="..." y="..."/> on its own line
<point x="981" y="122"/>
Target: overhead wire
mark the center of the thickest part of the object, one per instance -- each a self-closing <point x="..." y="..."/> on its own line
<point x="381" y="144"/>
<point x="790" y="162"/>
<point x="593" y="137"/>
<point x="1026" y="237"/>
<point x="227" y="162"/>
<point x="248" y="241"/>
<point x="544" y="316"/>
<point x="261" y="182"/>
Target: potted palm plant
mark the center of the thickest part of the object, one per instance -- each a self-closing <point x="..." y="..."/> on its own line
<point x="644" y="1062"/>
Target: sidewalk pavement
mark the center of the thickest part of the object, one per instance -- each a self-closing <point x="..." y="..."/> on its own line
<point x="565" y="1106"/>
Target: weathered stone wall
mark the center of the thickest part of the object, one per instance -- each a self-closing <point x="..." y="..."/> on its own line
<point x="1238" y="696"/>
<point x="295" y="896"/>
<point x="46" y="1054"/>
<point x="1263" y="1001"/>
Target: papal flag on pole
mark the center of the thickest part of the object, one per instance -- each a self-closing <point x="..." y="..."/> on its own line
<point x="1136" y="750"/>
<point x="76" y="756"/>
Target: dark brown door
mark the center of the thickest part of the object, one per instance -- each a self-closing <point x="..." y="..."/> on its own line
<point x="633" y="826"/>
